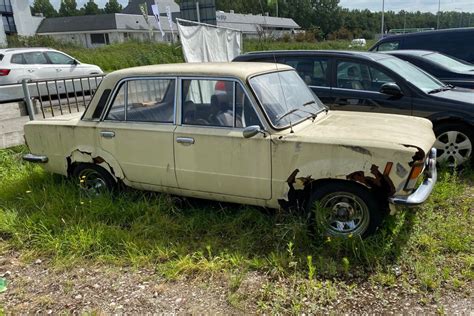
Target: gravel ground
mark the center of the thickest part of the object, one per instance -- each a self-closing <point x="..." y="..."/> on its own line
<point x="37" y="287"/>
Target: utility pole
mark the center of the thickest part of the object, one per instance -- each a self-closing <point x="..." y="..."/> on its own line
<point x="382" y="28"/>
<point x="439" y="13"/>
<point x="276" y="7"/>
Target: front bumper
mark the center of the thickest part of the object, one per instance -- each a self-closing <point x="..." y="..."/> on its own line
<point x="35" y="158"/>
<point x="424" y="190"/>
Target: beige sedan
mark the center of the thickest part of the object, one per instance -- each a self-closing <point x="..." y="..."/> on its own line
<point x="247" y="133"/>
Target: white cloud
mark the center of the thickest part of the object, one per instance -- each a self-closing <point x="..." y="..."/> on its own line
<point x="410" y="5"/>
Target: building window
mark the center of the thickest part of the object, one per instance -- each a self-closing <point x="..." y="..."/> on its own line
<point x="101" y="38"/>
<point x="6" y="6"/>
<point x="8" y="24"/>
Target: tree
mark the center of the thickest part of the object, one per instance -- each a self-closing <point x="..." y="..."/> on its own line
<point x="90" y="8"/>
<point x="68" y="8"/>
<point x="44" y="7"/>
<point x="112" y="6"/>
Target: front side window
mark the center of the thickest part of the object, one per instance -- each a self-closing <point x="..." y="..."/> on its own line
<point x="359" y="76"/>
<point x="59" y="59"/>
<point x="144" y="100"/>
<point x="221" y="103"/>
<point x="388" y="46"/>
<point x="311" y="70"/>
<point x="285" y="98"/>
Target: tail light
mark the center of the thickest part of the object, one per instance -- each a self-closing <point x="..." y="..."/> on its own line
<point x="4" y="72"/>
<point x="416" y="170"/>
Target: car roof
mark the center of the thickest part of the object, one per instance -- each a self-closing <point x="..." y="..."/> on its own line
<point x="24" y="50"/>
<point x="410" y="52"/>
<point x="427" y="33"/>
<point x="238" y="70"/>
<point x="337" y="53"/>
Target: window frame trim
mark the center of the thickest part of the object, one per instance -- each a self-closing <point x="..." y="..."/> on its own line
<point x="117" y="88"/>
<point x="233" y="79"/>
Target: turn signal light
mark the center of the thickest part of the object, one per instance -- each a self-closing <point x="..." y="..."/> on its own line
<point x="4" y="72"/>
<point x="416" y="170"/>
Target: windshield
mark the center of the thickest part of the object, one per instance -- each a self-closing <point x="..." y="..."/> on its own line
<point x="448" y="62"/>
<point x="285" y="98"/>
<point x="412" y="74"/>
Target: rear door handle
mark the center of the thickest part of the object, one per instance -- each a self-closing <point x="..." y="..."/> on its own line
<point x="185" y="140"/>
<point x="107" y="134"/>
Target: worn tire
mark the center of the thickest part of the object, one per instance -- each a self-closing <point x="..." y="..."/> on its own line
<point x="333" y="207"/>
<point x="463" y="132"/>
<point x="93" y="178"/>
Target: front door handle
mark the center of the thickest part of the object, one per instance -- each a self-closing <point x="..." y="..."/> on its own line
<point x="107" y="134"/>
<point x="185" y="140"/>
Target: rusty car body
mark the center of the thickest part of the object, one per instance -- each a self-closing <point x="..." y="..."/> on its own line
<point x="249" y="133"/>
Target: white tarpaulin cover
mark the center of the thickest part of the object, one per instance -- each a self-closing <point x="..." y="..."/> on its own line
<point x="203" y="43"/>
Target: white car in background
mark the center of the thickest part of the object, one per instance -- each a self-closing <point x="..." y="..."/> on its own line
<point x="17" y="64"/>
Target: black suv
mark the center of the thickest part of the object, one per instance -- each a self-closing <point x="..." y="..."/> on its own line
<point x="458" y="42"/>
<point x="373" y="82"/>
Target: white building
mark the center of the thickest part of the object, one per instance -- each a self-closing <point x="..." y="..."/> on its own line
<point x="17" y="19"/>
<point x="257" y="25"/>
<point x="105" y="29"/>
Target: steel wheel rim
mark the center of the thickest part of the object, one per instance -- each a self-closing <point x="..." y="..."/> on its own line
<point x="92" y="182"/>
<point x="343" y="214"/>
<point x="453" y="147"/>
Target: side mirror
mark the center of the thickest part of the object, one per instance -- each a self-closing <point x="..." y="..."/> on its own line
<point x="392" y="89"/>
<point x="75" y="62"/>
<point x="251" y="131"/>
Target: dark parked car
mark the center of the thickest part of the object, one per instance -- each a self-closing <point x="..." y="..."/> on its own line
<point x="372" y="82"/>
<point x="448" y="69"/>
<point x="458" y="43"/>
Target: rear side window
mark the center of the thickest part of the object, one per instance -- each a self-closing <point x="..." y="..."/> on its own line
<point x="313" y="70"/>
<point x="18" y="59"/>
<point x="1" y="57"/>
<point x="387" y="46"/>
<point x="144" y="100"/>
<point x="35" y="58"/>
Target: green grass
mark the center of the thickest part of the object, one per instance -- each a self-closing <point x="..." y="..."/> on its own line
<point x="46" y="215"/>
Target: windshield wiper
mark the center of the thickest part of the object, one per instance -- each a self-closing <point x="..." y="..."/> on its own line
<point x="441" y="89"/>
<point x="313" y="115"/>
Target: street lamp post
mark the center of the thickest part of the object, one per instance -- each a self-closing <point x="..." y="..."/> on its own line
<point x="382" y="28"/>
<point x="439" y="13"/>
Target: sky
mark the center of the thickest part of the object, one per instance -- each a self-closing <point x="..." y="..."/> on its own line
<point x="373" y="5"/>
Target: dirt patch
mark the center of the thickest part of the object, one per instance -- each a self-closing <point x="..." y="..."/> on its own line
<point x="38" y="287"/>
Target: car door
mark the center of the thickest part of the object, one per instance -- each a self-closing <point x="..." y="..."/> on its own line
<point x="357" y="85"/>
<point x="211" y="153"/>
<point x="315" y="71"/>
<point x="38" y="66"/>
<point x="137" y="130"/>
<point x="64" y="65"/>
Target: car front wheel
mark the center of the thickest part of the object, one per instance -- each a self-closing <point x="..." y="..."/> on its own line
<point x="343" y="209"/>
<point x="454" y="144"/>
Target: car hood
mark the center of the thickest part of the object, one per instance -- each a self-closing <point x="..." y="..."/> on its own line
<point x="457" y="94"/>
<point x="370" y="130"/>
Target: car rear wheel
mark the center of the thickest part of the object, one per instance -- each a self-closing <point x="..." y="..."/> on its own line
<point x="93" y="179"/>
<point x="454" y="144"/>
<point x="343" y="209"/>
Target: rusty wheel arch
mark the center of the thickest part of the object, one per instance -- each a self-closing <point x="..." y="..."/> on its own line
<point x="380" y="185"/>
